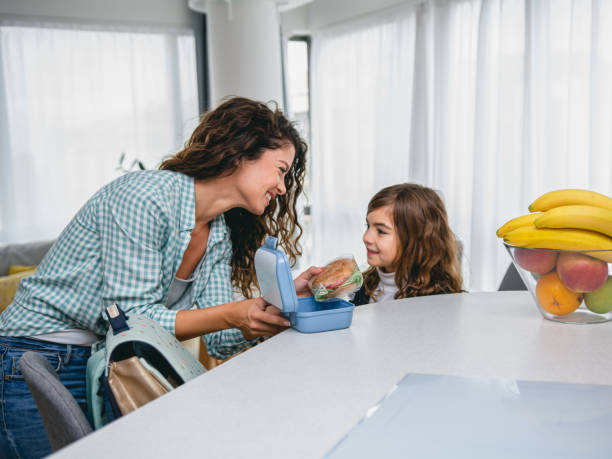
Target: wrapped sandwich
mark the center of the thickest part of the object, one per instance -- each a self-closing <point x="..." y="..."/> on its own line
<point x="339" y="278"/>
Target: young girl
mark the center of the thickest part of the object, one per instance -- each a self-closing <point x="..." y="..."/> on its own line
<point x="411" y="249"/>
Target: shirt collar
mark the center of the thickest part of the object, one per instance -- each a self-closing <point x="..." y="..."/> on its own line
<point x="386" y="278"/>
<point x="187" y="203"/>
<point x="218" y="230"/>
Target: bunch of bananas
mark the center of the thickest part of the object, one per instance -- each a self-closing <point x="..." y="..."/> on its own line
<point x="564" y="220"/>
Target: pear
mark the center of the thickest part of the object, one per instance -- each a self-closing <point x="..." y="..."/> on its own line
<point x="600" y="301"/>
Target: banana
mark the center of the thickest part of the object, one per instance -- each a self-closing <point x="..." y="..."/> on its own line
<point x="579" y="217"/>
<point x="570" y="197"/>
<point x="562" y="239"/>
<point x="517" y="222"/>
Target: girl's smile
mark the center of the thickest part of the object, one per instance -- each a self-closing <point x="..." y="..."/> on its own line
<point x="381" y="239"/>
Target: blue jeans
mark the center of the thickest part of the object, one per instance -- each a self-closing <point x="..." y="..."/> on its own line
<point x="22" y="434"/>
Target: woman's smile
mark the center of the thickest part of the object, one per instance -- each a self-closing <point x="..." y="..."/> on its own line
<point x="269" y="197"/>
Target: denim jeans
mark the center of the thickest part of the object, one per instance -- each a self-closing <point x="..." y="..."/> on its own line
<point x="22" y="434"/>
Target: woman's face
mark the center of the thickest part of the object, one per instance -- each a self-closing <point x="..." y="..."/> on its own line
<point x="259" y="181"/>
<point x="381" y="239"/>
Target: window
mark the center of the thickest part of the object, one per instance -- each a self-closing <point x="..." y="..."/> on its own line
<point x="75" y="99"/>
<point x="298" y="108"/>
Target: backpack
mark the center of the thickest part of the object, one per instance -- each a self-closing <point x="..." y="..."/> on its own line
<point x="137" y="362"/>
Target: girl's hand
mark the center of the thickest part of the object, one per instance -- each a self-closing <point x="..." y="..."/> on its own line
<point x="301" y="282"/>
<point x="256" y="318"/>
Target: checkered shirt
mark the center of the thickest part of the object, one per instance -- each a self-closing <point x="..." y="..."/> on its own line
<point x="124" y="246"/>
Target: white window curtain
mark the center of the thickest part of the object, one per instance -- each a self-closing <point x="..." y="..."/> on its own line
<point x="72" y="100"/>
<point x="491" y="102"/>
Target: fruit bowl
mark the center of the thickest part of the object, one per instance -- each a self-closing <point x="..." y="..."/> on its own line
<point x="568" y="286"/>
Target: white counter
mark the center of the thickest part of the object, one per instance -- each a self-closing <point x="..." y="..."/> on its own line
<point x="297" y="395"/>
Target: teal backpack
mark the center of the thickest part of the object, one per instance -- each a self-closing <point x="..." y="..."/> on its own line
<point x="135" y="335"/>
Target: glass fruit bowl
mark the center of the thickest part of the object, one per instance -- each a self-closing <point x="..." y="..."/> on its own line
<point x="567" y="286"/>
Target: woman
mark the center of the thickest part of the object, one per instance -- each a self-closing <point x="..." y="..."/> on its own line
<point x="169" y="244"/>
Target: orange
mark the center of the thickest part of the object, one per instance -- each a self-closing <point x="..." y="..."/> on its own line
<point x="554" y="297"/>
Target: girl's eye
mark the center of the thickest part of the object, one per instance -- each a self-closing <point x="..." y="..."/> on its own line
<point x="381" y="232"/>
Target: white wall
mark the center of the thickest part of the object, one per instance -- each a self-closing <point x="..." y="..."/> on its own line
<point x="166" y="12"/>
<point x="322" y="13"/>
<point x="244" y="50"/>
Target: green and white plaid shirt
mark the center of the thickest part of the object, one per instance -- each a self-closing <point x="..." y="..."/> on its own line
<point x="124" y="246"/>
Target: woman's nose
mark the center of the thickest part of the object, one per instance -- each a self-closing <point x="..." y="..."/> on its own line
<point x="281" y="187"/>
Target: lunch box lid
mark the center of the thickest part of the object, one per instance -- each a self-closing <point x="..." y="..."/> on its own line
<point x="274" y="276"/>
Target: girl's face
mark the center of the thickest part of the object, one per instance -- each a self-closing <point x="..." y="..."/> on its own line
<point x="259" y="181"/>
<point x="381" y="239"/>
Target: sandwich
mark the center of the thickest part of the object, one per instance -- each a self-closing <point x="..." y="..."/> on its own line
<point x="338" y="278"/>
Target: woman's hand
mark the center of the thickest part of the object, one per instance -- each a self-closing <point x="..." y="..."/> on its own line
<point x="301" y="282"/>
<point x="256" y="318"/>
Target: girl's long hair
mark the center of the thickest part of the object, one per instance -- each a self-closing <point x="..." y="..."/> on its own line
<point x="427" y="262"/>
<point x="241" y="129"/>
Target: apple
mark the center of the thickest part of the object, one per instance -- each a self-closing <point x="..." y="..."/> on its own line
<point x="581" y="273"/>
<point x="600" y="301"/>
<point x="536" y="261"/>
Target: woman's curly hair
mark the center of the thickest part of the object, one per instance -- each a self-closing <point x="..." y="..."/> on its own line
<point x="427" y="262"/>
<point x="241" y="129"/>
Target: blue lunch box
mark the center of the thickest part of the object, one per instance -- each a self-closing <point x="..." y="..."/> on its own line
<point x="305" y="314"/>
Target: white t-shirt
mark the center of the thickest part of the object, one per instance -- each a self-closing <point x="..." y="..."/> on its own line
<point x="386" y="289"/>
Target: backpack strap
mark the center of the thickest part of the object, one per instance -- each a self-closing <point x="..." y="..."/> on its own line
<point x="117" y="318"/>
<point x="95" y="402"/>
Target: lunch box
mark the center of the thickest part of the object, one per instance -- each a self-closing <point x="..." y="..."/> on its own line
<point x="305" y="314"/>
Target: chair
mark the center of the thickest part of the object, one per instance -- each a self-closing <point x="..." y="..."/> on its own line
<point x="512" y="280"/>
<point x="62" y="416"/>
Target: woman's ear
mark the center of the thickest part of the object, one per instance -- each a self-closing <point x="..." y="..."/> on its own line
<point x="236" y="164"/>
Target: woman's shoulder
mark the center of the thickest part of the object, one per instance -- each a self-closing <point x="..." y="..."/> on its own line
<point x="151" y="180"/>
<point x="142" y="186"/>
<point x="152" y="194"/>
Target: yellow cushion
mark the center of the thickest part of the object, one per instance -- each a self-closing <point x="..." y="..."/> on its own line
<point x="8" y="286"/>
<point x="14" y="269"/>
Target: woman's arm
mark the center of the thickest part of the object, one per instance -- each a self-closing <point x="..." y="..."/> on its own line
<point x="243" y="320"/>
<point x="248" y="316"/>
<point x="301" y="282"/>
<point x="134" y="224"/>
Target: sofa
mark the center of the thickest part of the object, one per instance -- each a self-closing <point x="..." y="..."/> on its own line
<point x="16" y="262"/>
<point x="28" y="254"/>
